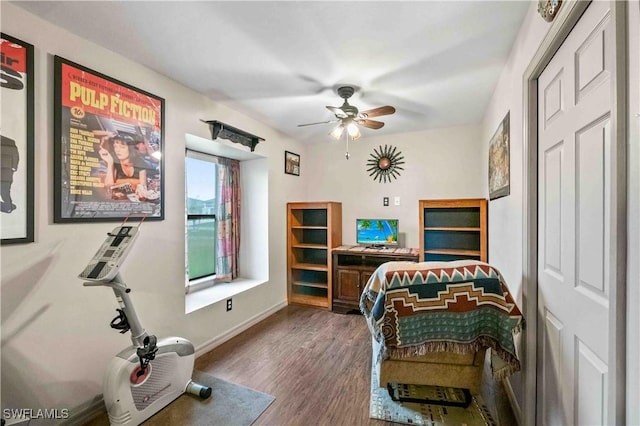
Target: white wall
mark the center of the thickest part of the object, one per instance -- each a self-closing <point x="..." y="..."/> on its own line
<point x="56" y="340"/>
<point x="506" y="214"/>
<point x="441" y="163"/>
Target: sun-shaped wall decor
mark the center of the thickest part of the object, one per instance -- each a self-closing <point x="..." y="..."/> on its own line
<point x="385" y="164"/>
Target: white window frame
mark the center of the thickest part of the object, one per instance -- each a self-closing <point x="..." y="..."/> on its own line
<point x="254" y="248"/>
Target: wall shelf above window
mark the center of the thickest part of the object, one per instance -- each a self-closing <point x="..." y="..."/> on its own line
<point x="224" y="131"/>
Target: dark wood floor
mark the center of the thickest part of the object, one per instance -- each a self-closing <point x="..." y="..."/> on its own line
<point x="317" y="365"/>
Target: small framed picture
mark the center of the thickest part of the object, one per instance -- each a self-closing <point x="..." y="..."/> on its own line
<point x="291" y="163"/>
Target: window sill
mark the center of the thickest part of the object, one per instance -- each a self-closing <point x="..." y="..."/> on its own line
<point x="221" y="291"/>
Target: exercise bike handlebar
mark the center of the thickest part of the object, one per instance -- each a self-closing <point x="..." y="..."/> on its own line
<point x="121" y="292"/>
<point x="111" y="284"/>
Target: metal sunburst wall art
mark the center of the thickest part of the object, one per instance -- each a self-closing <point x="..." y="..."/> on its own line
<point x="548" y="9"/>
<point x="385" y="164"/>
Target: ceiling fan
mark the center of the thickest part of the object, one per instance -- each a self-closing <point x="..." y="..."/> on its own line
<point x="350" y="117"/>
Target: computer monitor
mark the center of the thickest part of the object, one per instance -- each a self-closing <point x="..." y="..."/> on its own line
<point x="377" y="232"/>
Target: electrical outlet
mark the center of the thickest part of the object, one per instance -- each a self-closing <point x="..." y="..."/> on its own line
<point x="396" y="201"/>
<point x="385" y="201"/>
<point x="229" y="305"/>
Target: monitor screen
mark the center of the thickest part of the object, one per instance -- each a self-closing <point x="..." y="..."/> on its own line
<point x="377" y="232"/>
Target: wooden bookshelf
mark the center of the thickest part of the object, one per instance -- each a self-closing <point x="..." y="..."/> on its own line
<point x="453" y="229"/>
<point x="313" y="229"/>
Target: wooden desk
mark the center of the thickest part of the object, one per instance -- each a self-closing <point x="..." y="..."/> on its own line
<point x="352" y="267"/>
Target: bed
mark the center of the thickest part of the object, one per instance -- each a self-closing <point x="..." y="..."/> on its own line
<point x="433" y="322"/>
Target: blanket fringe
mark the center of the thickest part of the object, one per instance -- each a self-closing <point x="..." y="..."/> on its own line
<point x="505" y="372"/>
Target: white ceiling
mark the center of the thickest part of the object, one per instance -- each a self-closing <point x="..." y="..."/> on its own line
<point x="436" y="62"/>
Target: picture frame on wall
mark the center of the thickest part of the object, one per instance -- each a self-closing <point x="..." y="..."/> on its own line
<point x="17" y="138"/>
<point x="499" y="159"/>
<point x="291" y="163"/>
<point x="108" y="150"/>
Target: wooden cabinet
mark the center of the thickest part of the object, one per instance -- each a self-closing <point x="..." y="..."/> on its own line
<point x="313" y="229"/>
<point x="453" y="229"/>
<point x="352" y="267"/>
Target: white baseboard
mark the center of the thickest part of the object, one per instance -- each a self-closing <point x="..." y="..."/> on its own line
<point x="218" y="340"/>
<point x="84" y="412"/>
<point x="515" y="407"/>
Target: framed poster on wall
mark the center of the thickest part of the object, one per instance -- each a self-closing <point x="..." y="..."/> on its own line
<point x="16" y="176"/>
<point x="499" y="159"/>
<point x="109" y="141"/>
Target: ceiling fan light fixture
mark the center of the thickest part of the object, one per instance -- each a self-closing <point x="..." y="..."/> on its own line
<point x="351" y="118"/>
<point x="336" y="133"/>
<point x="353" y="130"/>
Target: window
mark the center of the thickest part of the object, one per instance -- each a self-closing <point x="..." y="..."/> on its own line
<point x="201" y="178"/>
<point x="251" y="257"/>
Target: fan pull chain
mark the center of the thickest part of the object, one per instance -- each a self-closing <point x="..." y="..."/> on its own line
<point x="347" y="154"/>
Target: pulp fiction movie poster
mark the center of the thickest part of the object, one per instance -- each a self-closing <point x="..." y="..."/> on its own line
<point x="109" y="140"/>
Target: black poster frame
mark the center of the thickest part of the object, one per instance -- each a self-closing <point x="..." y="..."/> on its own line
<point x="13" y="79"/>
<point x="92" y="113"/>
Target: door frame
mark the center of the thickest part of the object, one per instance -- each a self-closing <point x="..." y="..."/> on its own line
<point x="567" y="17"/>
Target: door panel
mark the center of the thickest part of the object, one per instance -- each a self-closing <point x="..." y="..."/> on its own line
<point x="551" y="366"/>
<point x="591" y="386"/>
<point x="592" y="147"/>
<point x="574" y="213"/>
<point x="553" y="99"/>
<point x="591" y="60"/>
<point x="553" y="223"/>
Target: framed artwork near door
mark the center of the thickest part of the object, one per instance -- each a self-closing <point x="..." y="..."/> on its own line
<point x="16" y="182"/>
<point x="499" y="161"/>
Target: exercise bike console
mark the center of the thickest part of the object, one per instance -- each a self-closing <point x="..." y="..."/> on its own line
<point x="106" y="262"/>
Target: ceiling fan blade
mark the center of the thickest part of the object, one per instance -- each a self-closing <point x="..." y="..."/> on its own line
<point x="319" y="122"/>
<point x="377" y="112"/>
<point x="371" y="124"/>
<point x="337" y="111"/>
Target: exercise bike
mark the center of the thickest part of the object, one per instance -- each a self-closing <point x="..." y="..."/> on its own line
<point x="146" y="376"/>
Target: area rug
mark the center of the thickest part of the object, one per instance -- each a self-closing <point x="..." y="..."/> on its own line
<point x="229" y="405"/>
<point x="382" y="407"/>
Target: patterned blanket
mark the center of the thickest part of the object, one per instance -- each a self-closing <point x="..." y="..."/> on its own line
<point x="462" y="306"/>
